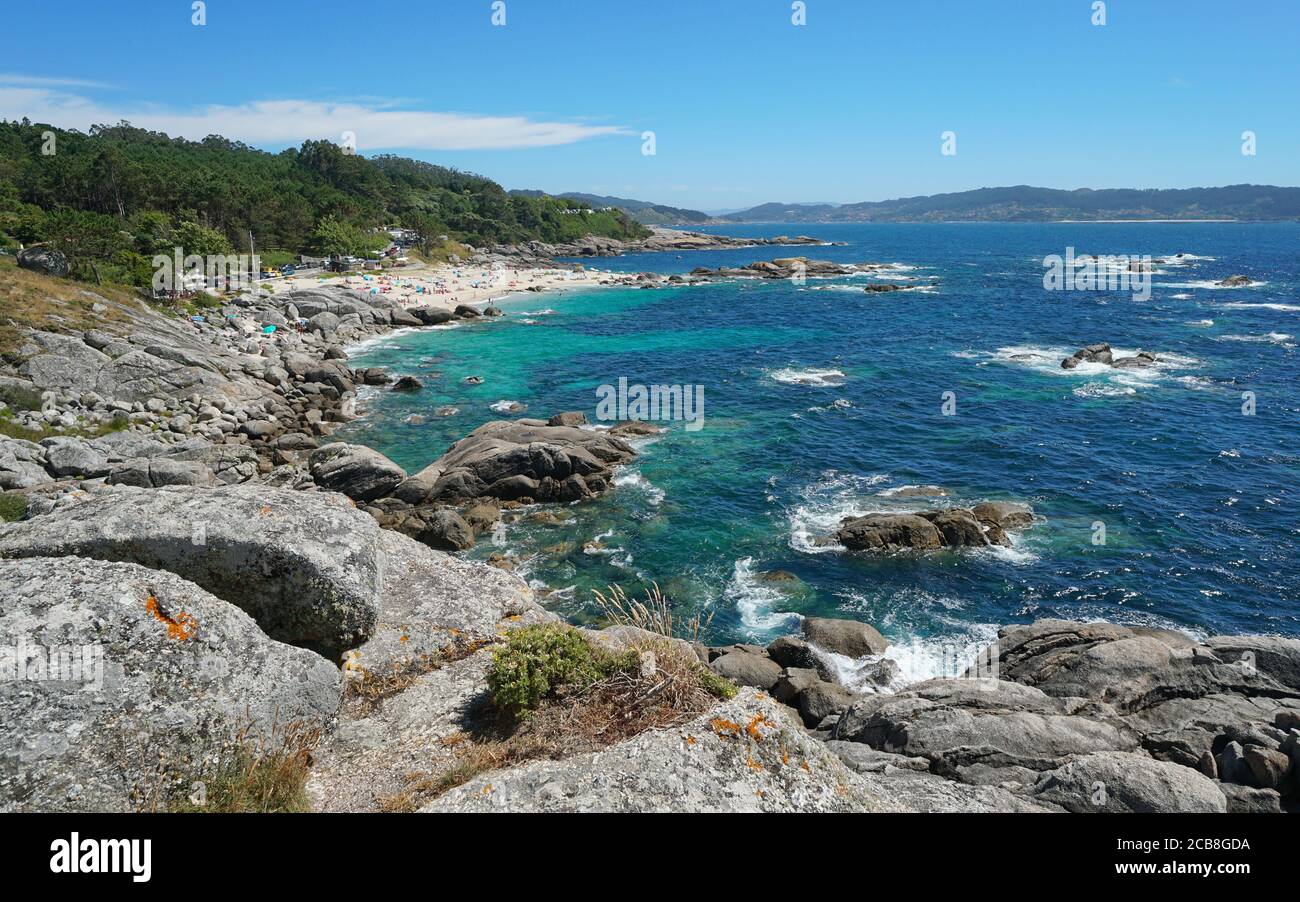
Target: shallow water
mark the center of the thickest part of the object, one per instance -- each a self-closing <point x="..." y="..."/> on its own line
<point x="819" y="402"/>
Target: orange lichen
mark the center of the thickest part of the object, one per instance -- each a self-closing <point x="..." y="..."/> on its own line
<point x="690" y="740"/>
<point x="753" y="765"/>
<point x="265" y="511"/>
<point x="785" y="756"/>
<point x="754" y="729"/>
<point x="724" y="727"/>
<point x="181" y="627"/>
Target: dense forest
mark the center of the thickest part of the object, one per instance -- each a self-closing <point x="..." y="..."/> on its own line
<point x="118" y="195"/>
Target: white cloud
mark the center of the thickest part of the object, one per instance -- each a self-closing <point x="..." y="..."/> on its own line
<point x="269" y="122"/>
<point x="13" y="78"/>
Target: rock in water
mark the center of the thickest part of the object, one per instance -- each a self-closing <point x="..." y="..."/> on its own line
<point x="512" y="461"/>
<point x="361" y="473"/>
<point x="446" y="530"/>
<point x="407" y="383"/>
<point x="181" y="673"/>
<point x="844" y="637"/>
<point x="887" y="532"/>
<point x="946" y="528"/>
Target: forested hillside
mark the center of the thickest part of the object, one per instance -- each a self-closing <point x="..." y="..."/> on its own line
<point x="1024" y="203"/>
<point x="120" y="194"/>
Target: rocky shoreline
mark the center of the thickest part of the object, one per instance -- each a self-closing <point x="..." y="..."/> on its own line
<point x="237" y="568"/>
<point x="537" y="253"/>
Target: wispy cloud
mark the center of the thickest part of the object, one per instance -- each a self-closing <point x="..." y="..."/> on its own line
<point x="13" y="78"/>
<point x="270" y="122"/>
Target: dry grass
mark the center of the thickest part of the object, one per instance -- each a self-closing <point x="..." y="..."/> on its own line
<point x="370" y="688"/>
<point x="256" y="771"/>
<point x="653" y="615"/>
<point x="29" y="300"/>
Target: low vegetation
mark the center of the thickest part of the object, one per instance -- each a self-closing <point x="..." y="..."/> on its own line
<point x="11" y="429"/>
<point x="557" y="691"/>
<point x="253" y="774"/>
<point x="29" y="300"/>
<point x="12" y="506"/>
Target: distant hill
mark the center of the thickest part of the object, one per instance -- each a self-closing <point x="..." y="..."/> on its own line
<point x="1023" y="203"/>
<point x="642" y="211"/>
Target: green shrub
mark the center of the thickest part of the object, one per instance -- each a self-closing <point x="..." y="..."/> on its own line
<point x="542" y="661"/>
<point x="715" y="685"/>
<point x="12" y="506"/>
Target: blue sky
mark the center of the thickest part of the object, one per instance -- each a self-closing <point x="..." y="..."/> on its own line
<point x="745" y="106"/>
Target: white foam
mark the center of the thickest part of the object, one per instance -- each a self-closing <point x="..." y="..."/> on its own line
<point x="755" y="600"/>
<point x="817" y="378"/>
<point x="1287" y="307"/>
<point x="1206" y="284"/>
<point x="1103" y="390"/>
<point x="1278" y="338"/>
<point x="941" y="656"/>
<point x="628" y="478"/>
<point x="506" y="406"/>
<point x="825" y="503"/>
<point x="1047" y="360"/>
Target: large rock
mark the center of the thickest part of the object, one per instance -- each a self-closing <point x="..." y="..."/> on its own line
<point x="44" y="260"/>
<point x="749" y="754"/>
<point x="942" y="528"/>
<point x="844" y="637"/>
<point x="307" y="566"/>
<point x="980" y="730"/>
<point x="513" y="461"/>
<point x="154" y="473"/>
<point x="889" y="532"/>
<point x="66" y="456"/>
<point x="22" y="464"/>
<point x="1119" y="782"/>
<point x="747" y="669"/>
<point x="182" y="673"/>
<point x="359" y="472"/>
<point x="446" y="530"/>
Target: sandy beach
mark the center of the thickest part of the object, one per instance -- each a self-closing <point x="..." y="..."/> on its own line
<point x="422" y="285"/>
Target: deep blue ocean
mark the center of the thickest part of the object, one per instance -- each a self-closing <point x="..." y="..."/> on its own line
<point x="822" y="399"/>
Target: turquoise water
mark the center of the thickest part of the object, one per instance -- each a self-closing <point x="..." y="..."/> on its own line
<point x="1198" y="500"/>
